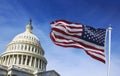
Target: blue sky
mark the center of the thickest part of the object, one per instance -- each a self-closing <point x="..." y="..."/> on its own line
<point x="15" y="14"/>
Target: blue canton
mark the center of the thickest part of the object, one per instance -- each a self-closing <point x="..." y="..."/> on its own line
<point x="92" y="35"/>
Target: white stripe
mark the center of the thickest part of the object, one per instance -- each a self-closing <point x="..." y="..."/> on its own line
<point x="77" y="39"/>
<point x="64" y="30"/>
<point x="78" y="45"/>
<point x="67" y="28"/>
<point x="97" y="55"/>
<point x="59" y="41"/>
<point x="64" y="23"/>
<point x="91" y="51"/>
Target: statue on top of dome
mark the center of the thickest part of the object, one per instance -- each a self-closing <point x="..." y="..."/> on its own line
<point x="29" y="27"/>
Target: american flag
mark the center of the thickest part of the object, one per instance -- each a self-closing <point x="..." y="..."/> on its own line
<point x="69" y="34"/>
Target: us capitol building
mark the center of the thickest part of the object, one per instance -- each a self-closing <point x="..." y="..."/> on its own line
<point x="24" y="56"/>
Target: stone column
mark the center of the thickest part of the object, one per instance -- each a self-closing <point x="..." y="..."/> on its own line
<point x="30" y="49"/>
<point x="26" y="59"/>
<point x="34" y="49"/>
<point x="17" y="61"/>
<point x="21" y="59"/>
<point x="5" y="60"/>
<point x="23" y="47"/>
<point x="13" y="59"/>
<point x="35" y="62"/>
<point x="30" y="61"/>
<point x="26" y="48"/>
<point x="38" y="62"/>
<point x="8" y="61"/>
<point x="2" y="60"/>
<point x="19" y="46"/>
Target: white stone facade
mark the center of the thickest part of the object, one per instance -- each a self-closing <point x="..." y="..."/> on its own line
<point x="24" y="51"/>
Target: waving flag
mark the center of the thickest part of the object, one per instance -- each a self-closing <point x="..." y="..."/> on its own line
<point x="68" y="34"/>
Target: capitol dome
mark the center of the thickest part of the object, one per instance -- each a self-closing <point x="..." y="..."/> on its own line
<point x="27" y="37"/>
<point x="25" y="51"/>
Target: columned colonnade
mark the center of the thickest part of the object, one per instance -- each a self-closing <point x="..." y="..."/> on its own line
<point x="26" y="60"/>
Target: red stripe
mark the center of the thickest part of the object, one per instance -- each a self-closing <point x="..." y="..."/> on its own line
<point x="67" y="46"/>
<point x="71" y="27"/>
<point x="64" y="21"/>
<point x="61" y="31"/>
<point x="70" y="43"/>
<point x="97" y="58"/>
<point x="91" y="47"/>
<point x="68" y="22"/>
<point x="97" y="53"/>
<point x="63" y="45"/>
<point x="66" y="26"/>
<point x="80" y="43"/>
<point x="60" y="37"/>
<point x="69" y="31"/>
<point x="59" y="42"/>
<point x="58" y="30"/>
<point x="93" y="56"/>
<point x="75" y="46"/>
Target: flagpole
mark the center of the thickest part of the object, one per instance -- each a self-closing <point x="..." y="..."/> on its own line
<point x="109" y="50"/>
